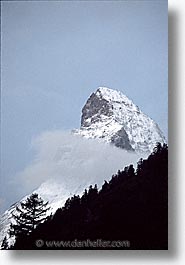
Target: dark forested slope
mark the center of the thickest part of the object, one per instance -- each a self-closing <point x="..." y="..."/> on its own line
<point x="132" y="206"/>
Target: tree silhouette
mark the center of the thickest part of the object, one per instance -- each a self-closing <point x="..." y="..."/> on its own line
<point x="30" y="213"/>
<point x="133" y="205"/>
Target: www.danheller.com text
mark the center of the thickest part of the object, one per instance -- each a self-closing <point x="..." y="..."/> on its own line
<point x="82" y="243"/>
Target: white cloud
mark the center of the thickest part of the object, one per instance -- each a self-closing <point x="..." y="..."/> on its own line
<point x="72" y="160"/>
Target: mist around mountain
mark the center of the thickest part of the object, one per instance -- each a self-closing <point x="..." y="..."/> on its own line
<point x="131" y="207"/>
<point x="114" y="133"/>
<point x="66" y="164"/>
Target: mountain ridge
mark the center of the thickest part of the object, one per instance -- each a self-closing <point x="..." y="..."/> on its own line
<point x="112" y="117"/>
<point x="108" y="116"/>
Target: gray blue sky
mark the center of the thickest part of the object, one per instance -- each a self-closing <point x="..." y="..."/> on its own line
<point x="56" y="53"/>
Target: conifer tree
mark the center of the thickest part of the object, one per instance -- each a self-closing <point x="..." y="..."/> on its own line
<point x="28" y="215"/>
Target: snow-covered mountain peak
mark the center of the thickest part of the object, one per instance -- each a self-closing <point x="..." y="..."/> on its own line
<point x="112" y="117"/>
<point x="112" y="95"/>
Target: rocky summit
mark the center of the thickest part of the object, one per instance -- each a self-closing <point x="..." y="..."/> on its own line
<point x="109" y="115"/>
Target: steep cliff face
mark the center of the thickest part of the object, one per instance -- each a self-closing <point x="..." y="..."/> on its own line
<point x="112" y="117"/>
<point x="109" y="116"/>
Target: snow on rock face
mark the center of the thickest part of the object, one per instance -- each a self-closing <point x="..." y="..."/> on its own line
<point x="112" y="117"/>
